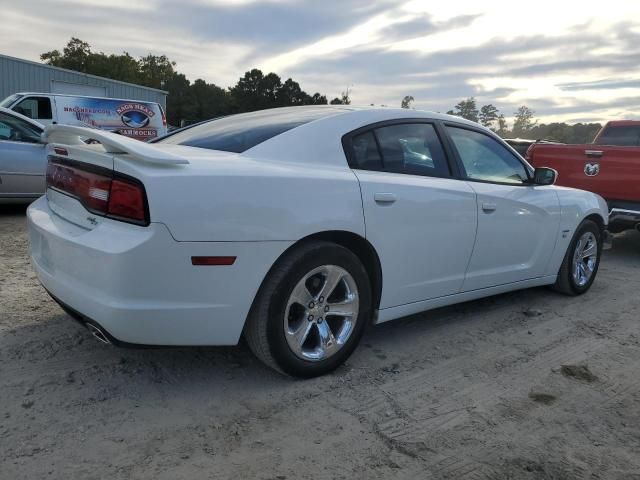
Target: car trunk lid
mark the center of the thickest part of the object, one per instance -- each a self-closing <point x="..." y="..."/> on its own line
<point x="83" y="185"/>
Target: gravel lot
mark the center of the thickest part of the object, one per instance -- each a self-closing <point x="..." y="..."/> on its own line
<point x="524" y="385"/>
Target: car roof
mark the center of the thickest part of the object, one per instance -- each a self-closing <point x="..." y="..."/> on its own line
<point x="319" y="141"/>
<point x="368" y="115"/>
<point x="22" y="117"/>
<point x="374" y="113"/>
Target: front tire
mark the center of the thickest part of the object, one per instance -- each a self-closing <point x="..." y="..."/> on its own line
<point x="581" y="262"/>
<point x="311" y="310"/>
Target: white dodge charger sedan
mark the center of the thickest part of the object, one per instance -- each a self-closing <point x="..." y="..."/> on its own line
<point x="298" y="227"/>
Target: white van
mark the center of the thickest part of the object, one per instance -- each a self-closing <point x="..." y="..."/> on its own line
<point x="131" y="118"/>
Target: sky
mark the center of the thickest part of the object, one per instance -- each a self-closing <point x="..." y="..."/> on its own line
<point x="568" y="60"/>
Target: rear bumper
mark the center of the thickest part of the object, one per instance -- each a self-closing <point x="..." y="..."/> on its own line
<point x="138" y="283"/>
<point x="623" y="219"/>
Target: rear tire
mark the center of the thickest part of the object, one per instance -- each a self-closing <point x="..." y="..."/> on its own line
<point x="296" y="325"/>
<point x="581" y="262"/>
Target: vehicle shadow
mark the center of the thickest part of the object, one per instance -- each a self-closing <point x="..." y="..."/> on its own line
<point x="57" y="348"/>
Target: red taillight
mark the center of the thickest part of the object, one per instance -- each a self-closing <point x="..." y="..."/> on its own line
<point x="97" y="189"/>
<point x="127" y="200"/>
<point x="90" y="188"/>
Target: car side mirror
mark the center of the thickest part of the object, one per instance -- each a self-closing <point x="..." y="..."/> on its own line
<point x="544" y="176"/>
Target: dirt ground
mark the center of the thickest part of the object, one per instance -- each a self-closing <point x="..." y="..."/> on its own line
<point x="524" y="385"/>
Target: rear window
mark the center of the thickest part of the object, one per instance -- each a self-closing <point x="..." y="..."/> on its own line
<point x="624" y="136"/>
<point x="238" y="133"/>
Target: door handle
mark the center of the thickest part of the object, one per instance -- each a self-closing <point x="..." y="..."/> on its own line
<point x="593" y="153"/>
<point x="384" y="198"/>
<point x="489" y="207"/>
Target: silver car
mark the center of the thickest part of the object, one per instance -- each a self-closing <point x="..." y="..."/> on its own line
<point x="23" y="161"/>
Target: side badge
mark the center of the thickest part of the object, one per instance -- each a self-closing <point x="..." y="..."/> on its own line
<point x="591" y="169"/>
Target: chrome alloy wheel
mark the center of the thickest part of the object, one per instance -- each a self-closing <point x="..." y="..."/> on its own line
<point x="585" y="257"/>
<point x="321" y="312"/>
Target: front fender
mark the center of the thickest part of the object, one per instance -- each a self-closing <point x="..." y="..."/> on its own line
<point x="575" y="206"/>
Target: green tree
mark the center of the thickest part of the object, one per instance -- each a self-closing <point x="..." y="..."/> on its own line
<point x="406" y="101"/>
<point x="523" y="121"/>
<point x="466" y="109"/>
<point x="488" y="115"/>
<point x="186" y="103"/>
<point x="290" y="93"/>
<point x="564" y="133"/>
<point x="75" y="56"/>
<point x="155" y="71"/>
<point x="207" y="100"/>
<point x="121" y="67"/>
<point x="255" y="91"/>
<point x="503" y="126"/>
<point x="317" y="99"/>
<point x="181" y="106"/>
<point x="344" y="99"/>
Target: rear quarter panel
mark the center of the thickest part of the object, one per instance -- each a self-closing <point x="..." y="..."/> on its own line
<point x="234" y="198"/>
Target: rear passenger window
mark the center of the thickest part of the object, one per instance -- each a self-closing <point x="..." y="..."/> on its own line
<point x="412" y="148"/>
<point x="365" y="152"/>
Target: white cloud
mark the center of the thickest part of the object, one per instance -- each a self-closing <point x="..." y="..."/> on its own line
<point x="507" y="36"/>
<point x="360" y="35"/>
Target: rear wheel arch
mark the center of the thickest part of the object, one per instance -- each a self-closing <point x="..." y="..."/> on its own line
<point x="357" y="244"/>
<point x="363" y="249"/>
<point x="263" y="329"/>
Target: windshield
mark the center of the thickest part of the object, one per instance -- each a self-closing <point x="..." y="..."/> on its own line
<point x="10" y="100"/>
<point x="238" y="133"/>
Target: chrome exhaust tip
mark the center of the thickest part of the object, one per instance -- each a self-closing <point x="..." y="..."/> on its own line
<point x="98" y="333"/>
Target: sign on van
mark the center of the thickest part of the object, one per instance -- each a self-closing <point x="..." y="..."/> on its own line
<point x="134" y="119"/>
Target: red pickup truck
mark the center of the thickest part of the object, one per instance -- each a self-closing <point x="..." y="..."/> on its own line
<point x="610" y="167"/>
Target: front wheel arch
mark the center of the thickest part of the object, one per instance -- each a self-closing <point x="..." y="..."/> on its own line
<point x="564" y="282"/>
<point x="597" y="219"/>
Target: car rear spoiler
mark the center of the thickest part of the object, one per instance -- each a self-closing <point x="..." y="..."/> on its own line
<point x="111" y="142"/>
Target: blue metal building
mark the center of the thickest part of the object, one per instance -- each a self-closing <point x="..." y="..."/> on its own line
<point x="18" y="75"/>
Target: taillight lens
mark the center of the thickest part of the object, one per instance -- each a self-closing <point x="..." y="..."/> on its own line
<point x="99" y="191"/>
<point x="127" y="200"/>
